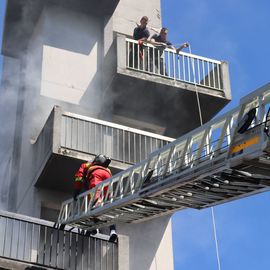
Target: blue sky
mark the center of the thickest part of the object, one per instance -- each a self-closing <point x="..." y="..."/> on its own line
<point x="236" y="31"/>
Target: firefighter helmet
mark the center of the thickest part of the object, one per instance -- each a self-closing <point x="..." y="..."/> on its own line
<point x="102" y="160"/>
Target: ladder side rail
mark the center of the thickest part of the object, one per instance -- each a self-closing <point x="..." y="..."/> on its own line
<point x="92" y="194"/>
<point x="127" y="175"/>
<point x="263" y="104"/>
<point x="181" y="149"/>
<point x="158" y="166"/>
<point x="170" y="167"/>
<point x="187" y="157"/>
<point x="161" y="165"/>
<point x="223" y="136"/>
<point x="63" y="215"/>
<point x="103" y="195"/>
<point x="204" y="142"/>
<point x="264" y="91"/>
<point x="245" y="106"/>
<point x="174" y="159"/>
<point x="143" y="172"/>
<point x="230" y="128"/>
<point x="154" y="159"/>
<point x="198" y="145"/>
<point x="76" y="207"/>
<point x="187" y="142"/>
<point x="71" y="208"/>
<point x="112" y="191"/>
<point x="132" y="180"/>
<point x="117" y="189"/>
<point x="128" y="182"/>
<point x="208" y="145"/>
<point x="121" y="187"/>
<point x="262" y="112"/>
<point x="259" y="101"/>
<point x="188" y="154"/>
<point x="168" y="161"/>
<point x="193" y="150"/>
<point x="196" y="148"/>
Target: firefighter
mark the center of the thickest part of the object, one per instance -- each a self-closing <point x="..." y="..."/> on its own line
<point x="91" y="174"/>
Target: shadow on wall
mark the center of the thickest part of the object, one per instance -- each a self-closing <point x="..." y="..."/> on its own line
<point x="101" y="101"/>
<point x="71" y="56"/>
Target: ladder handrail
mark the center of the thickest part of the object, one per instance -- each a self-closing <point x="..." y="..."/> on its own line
<point x="209" y="143"/>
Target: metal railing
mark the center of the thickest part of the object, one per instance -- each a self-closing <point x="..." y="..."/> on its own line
<point x="93" y="136"/>
<point x="83" y="137"/>
<point x="195" y="157"/>
<point x="36" y="241"/>
<point x="165" y="62"/>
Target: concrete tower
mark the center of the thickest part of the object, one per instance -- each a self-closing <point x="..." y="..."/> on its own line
<point x="68" y="93"/>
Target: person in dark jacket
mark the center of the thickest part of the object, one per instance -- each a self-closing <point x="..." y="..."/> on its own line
<point x="141" y="33"/>
<point x="91" y="174"/>
<point x="156" y="55"/>
<point x="161" y="42"/>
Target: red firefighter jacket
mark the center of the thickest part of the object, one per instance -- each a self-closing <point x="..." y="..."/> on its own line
<point x="92" y="174"/>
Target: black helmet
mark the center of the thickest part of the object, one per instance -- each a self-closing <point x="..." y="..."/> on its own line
<point x="102" y="160"/>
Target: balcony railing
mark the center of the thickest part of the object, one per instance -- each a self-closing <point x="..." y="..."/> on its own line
<point x="167" y="63"/>
<point x="121" y="143"/>
<point x="35" y="241"/>
<point x="82" y="137"/>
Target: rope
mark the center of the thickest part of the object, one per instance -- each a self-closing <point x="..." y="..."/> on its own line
<point x="197" y="93"/>
<point x="215" y="236"/>
<point x="201" y="121"/>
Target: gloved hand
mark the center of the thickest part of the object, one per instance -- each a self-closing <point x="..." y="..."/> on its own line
<point x="75" y="194"/>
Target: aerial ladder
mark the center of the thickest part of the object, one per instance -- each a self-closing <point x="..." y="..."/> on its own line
<point x="225" y="159"/>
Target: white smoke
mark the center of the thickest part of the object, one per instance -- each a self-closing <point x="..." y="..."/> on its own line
<point x="69" y="35"/>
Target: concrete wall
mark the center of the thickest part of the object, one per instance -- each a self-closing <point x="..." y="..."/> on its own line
<point x="146" y="245"/>
<point x="63" y="67"/>
<point x="123" y="20"/>
<point x="67" y="63"/>
<point x="9" y="89"/>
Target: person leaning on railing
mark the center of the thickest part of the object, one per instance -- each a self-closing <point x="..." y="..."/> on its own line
<point x="141" y="33"/>
<point x="182" y="46"/>
<point x="156" y="56"/>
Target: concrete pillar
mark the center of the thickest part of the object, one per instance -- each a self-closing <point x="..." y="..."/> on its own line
<point x="225" y="76"/>
<point x="148" y="245"/>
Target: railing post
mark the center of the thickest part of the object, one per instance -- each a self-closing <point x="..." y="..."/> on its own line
<point x="225" y="79"/>
<point x="121" y="52"/>
<point x="56" y="129"/>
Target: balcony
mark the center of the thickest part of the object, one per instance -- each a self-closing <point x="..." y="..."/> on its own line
<point x="68" y="139"/>
<point x="31" y="243"/>
<point x="160" y="86"/>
